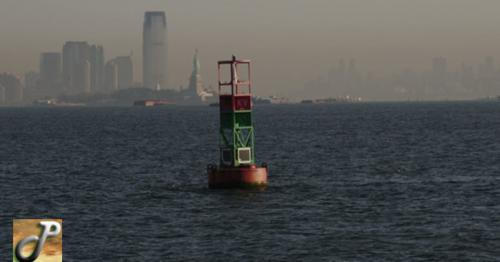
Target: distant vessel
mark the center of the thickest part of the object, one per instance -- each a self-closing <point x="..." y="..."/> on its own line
<point x="45" y="102"/>
<point x="152" y="102"/>
<point x="54" y="102"/>
<point x="333" y="100"/>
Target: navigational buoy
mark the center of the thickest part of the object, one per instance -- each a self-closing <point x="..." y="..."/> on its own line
<point x="237" y="168"/>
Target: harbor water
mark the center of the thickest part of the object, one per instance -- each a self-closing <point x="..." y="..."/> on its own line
<point x="367" y="181"/>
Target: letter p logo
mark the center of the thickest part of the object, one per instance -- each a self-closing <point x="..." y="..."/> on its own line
<point x="32" y="245"/>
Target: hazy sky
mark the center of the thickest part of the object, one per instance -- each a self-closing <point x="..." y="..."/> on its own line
<point x="290" y="41"/>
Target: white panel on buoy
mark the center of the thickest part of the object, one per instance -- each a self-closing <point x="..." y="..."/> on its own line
<point x="245" y="155"/>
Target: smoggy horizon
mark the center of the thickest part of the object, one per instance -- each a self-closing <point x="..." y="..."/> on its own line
<point x="290" y="42"/>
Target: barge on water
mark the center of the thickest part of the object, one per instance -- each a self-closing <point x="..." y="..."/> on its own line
<point x="152" y="102"/>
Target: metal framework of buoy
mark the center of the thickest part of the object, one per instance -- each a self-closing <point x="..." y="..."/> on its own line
<point x="237" y="166"/>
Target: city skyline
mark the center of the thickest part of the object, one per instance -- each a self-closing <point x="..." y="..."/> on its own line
<point x="438" y="81"/>
<point x="384" y="37"/>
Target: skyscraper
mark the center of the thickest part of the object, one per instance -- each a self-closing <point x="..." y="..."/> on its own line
<point x="86" y="81"/>
<point x="439" y="77"/>
<point x="3" y="99"/>
<point x="31" y="80"/>
<point x="75" y="56"/>
<point x="50" y="73"/>
<point x="119" y="73"/>
<point x="12" y="91"/>
<point x="96" y="59"/>
<point x="125" y="71"/>
<point x="111" y="76"/>
<point x="50" y="66"/>
<point x="487" y="77"/>
<point x="154" y="50"/>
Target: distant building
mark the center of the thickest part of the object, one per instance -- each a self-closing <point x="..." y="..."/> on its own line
<point x="154" y="50"/>
<point x="125" y="71"/>
<point x="75" y="56"/>
<point x="50" y="67"/>
<point x="80" y="79"/>
<point x="487" y="78"/>
<point x="31" y="80"/>
<point x="32" y="86"/>
<point x="353" y="79"/>
<point x="439" y="78"/>
<point x="111" y="76"/>
<point x="342" y="80"/>
<point x="3" y="99"/>
<point x="50" y="74"/>
<point x="86" y="81"/>
<point x="468" y="78"/>
<point x="11" y="89"/>
<point x="96" y="59"/>
<point x="119" y="73"/>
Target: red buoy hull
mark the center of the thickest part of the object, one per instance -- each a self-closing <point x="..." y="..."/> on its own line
<point x="237" y="177"/>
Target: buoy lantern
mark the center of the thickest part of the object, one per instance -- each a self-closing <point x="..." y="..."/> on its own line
<point x="237" y="168"/>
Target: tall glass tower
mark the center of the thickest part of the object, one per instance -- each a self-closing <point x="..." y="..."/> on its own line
<point x="154" y="50"/>
<point x="74" y="63"/>
<point x="96" y="59"/>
